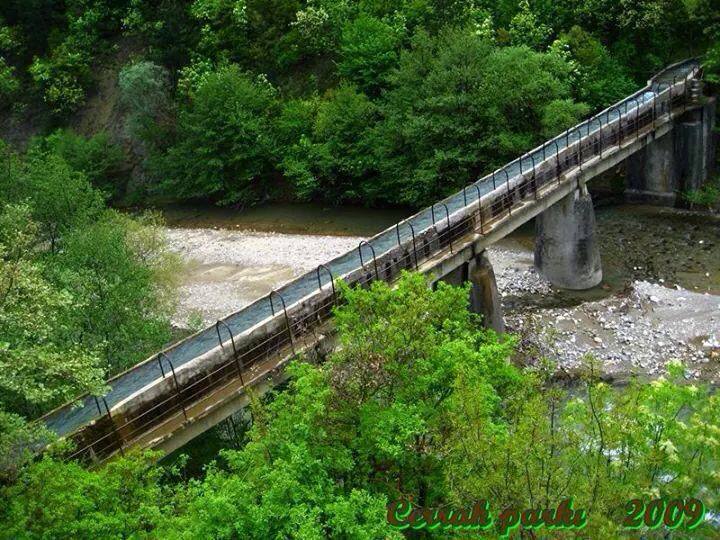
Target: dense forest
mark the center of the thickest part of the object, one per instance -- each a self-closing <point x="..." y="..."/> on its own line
<point x="112" y="103"/>
<point x="242" y="101"/>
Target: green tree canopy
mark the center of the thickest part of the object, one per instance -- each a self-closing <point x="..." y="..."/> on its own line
<point x="225" y="141"/>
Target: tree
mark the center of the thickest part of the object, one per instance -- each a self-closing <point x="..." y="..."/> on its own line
<point x="459" y="106"/>
<point x="224" y="142"/>
<point x="41" y="366"/>
<point x="9" y="84"/>
<point x="368" y="50"/>
<point x="97" y="157"/>
<point x="145" y="94"/>
<point x="121" y="272"/>
<point x="561" y="114"/>
<point x="333" y="159"/>
<point x="60" y="197"/>
<point x="18" y="441"/>
<point x="603" y="447"/>
<point x="601" y="79"/>
<point x="65" y="500"/>
<point x="525" y="29"/>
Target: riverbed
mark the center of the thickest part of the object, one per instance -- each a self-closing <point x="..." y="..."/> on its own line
<point x="232" y="258"/>
<point x="659" y="300"/>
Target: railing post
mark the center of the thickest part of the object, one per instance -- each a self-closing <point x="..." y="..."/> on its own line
<point x="362" y="263"/>
<point x="447" y="214"/>
<point x="238" y="362"/>
<point x="178" y="393"/>
<point x="412" y="231"/>
<point x="287" y="319"/>
<point x="509" y="192"/>
<point x="482" y="219"/>
<point x="114" y="428"/>
<point x="533" y="178"/>
<point x="332" y="280"/>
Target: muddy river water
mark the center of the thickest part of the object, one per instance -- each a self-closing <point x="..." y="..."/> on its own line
<point x="659" y="300"/>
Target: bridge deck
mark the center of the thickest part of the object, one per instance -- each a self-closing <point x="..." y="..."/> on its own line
<point x="403" y="246"/>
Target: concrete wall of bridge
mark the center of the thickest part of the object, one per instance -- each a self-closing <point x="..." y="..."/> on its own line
<point x="681" y="160"/>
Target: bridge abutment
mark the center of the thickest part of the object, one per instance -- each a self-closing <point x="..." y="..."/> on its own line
<point x="678" y="161"/>
<point x="566" y="250"/>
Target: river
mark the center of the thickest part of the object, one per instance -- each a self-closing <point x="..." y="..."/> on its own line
<point x="659" y="299"/>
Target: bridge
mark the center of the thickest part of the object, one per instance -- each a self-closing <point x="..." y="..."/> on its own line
<point x="663" y="133"/>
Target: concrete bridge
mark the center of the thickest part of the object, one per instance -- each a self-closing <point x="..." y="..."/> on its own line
<point x="664" y="134"/>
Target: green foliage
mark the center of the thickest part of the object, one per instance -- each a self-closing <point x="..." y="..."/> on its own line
<point x="708" y="196"/>
<point x="603" y="447"/>
<point x="40" y="364"/>
<point x="61" y="198"/>
<point x="9" y="84"/>
<point x="17" y="442"/>
<point x="56" y="500"/>
<point x="525" y="29"/>
<point x="145" y="94"/>
<point x="84" y="291"/>
<point x="121" y="272"/>
<point x="225" y="141"/>
<point x="561" y="114"/>
<point x="289" y="466"/>
<point x="458" y="106"/>
<point x="368" y="50"/>
<point x="601" y="79"/>
<point x="97" y="157"/>
<point x="331" y="159"/>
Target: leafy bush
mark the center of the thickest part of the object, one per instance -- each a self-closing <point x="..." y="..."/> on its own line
<point x="9" y="84"/>
<point x="458" y="106"/>
<point x="109" y="265"/>
<point x="41" y="365"/>
<point x="332" y="158"/>
<point x="97" y="157"/>
<point x="63" y="77"/>
<point x="69" y="270"/>
<point x="368" y="50"/>
<point x="600" y="79"/>
<point x="60" y="197"/>
<point x="224" y="146"/>
<point x="145" y="94"/>
<point x="708" y="196"/>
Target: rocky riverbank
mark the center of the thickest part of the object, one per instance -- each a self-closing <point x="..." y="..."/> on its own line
<point x="634" y="331"/>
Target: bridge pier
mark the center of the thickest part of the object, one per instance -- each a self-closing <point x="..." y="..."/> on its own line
<point x="680" y="160"/>
<point x="566" y="251"/>
<point x="484" y="296"/>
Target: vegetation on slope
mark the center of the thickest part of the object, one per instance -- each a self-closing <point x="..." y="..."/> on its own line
<point x="85" y="291"/>
<point x="241" y="101"/>
<point x="420" y="402"/>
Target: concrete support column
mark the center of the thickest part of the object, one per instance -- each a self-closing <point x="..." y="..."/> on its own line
<point x="566" y="250"/>
<point x="652" y="172"/>
<point x="484" y="295"/>
<point x="680" y="160"/>
<point x="695" y="146"/>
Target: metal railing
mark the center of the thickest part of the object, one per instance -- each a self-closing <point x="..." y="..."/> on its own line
<point x="494" y="198"/>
